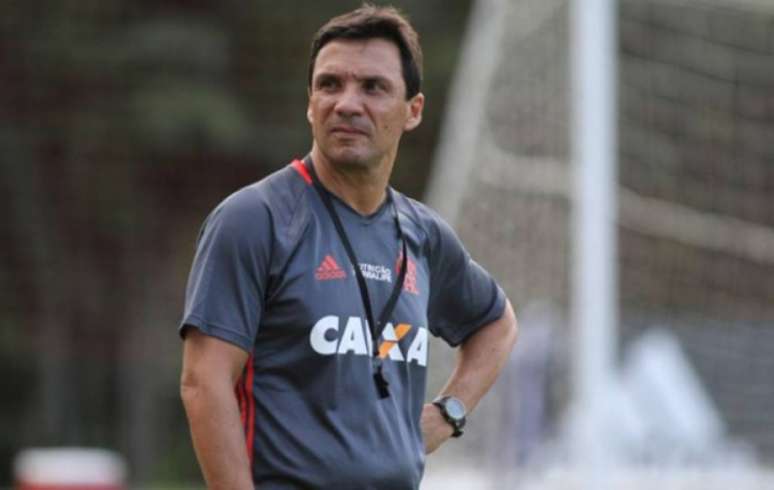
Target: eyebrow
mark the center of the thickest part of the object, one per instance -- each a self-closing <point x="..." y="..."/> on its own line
<point x="375" y="78"/>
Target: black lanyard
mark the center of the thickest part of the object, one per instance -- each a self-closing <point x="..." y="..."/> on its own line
<point x="376" y="328"/>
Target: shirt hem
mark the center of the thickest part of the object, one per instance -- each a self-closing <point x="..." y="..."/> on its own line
<point x="217" y="331"/>
<point x="495" y="312"/>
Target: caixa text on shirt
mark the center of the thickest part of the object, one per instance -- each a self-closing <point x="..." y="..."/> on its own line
<point x="332" y="335"/>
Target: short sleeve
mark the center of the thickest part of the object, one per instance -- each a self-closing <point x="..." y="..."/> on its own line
<point x="225" y="291"/>
<point x="463" y="297"/>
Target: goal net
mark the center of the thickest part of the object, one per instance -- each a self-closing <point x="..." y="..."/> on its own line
<point x="695" y="223"/>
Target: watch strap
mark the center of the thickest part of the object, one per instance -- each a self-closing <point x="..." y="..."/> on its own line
<point x="457" y="423"/>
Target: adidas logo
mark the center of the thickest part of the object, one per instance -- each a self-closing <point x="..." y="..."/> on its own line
<point x="329" y="269"/>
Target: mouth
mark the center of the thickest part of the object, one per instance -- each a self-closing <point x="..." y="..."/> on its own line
<point x="347" y="130"/>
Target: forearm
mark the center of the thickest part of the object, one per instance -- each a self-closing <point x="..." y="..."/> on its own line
<point x="218" y="436"/>
<point x="481" y="358"/>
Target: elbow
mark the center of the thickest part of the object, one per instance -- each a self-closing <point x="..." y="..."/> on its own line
<point x="198" y="385"/>
<point x="191" y="387"/>
<point x="498" y="336"/>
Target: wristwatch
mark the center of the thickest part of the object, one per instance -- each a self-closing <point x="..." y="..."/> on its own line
<point x="453" y="410"/>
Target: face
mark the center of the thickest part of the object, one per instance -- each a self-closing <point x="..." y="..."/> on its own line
<point x="357" y="102"/>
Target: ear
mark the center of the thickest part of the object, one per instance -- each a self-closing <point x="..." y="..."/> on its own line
<point x="415" y="107"/>
<point x="309" y="105"/>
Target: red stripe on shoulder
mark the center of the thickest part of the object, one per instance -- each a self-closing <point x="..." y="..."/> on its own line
<point x="301" y="169"/>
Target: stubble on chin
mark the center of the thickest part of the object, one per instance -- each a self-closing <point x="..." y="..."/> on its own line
<point x="350" y="159"/>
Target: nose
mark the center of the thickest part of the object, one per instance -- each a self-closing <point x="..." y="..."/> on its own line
<point x="349" y="102"/>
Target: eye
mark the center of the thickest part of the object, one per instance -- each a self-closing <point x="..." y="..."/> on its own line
<point x="374" y="85"/>
<point x="327" y="83"/>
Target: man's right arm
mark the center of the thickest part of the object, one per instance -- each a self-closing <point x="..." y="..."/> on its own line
<point x="211" y="369"/>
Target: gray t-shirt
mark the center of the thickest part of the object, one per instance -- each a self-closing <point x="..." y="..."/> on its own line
<point x="271" y="276"/>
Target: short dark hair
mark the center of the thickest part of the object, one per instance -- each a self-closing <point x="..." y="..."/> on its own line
<point x="368" y="22"/>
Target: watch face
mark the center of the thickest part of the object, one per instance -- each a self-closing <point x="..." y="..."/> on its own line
<point x="454" y="408"/>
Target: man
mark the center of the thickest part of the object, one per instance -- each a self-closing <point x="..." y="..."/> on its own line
<point x="312" y="293"/>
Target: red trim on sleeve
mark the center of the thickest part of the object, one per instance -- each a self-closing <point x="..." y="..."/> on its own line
<point x="301" y="169"/>
<point x="240" y="393"/>
<point x="250" y="410"/>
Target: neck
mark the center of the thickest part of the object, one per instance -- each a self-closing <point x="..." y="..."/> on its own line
<point x="362" y="188"/>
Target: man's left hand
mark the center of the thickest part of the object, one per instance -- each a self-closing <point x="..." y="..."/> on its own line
<point x="435" y="429"/>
